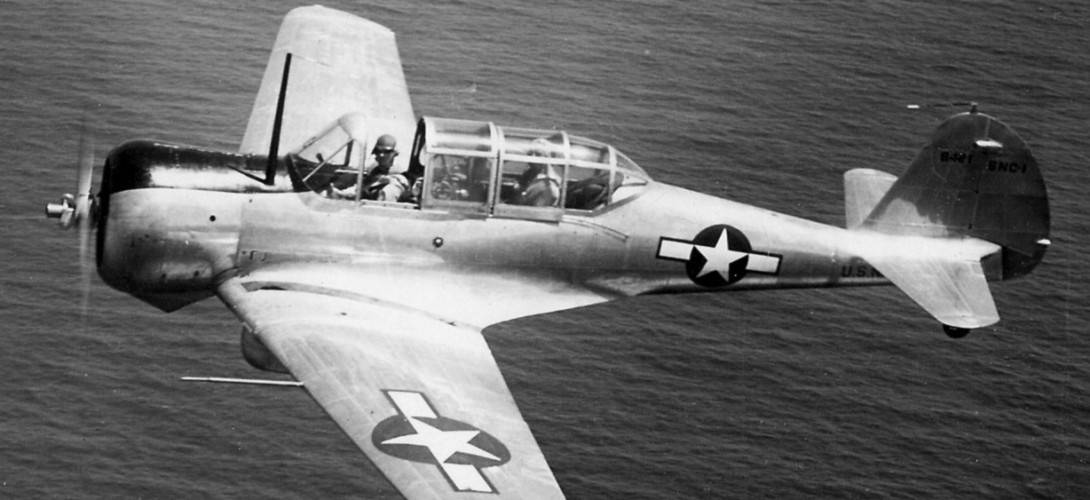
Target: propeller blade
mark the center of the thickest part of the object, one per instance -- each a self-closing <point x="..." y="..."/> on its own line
<point x="86" y="174"/>
<point x="86" y="266"/>
<point x="83" y="214"/>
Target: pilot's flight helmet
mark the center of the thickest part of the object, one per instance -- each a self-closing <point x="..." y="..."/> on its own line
<point x="541" y="147"/>
<point x="385" y="144"/>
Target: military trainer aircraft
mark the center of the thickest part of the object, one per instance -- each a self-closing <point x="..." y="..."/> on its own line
<point x="376" y="306"/>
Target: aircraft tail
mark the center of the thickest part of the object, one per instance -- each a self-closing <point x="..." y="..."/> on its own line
<point x="976" y="178"/>
<point x="971" y="207"/>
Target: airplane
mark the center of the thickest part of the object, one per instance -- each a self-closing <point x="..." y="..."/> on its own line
<point x="376" y="307"/>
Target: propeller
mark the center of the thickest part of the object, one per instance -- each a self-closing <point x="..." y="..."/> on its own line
<point x="78" y="210"/>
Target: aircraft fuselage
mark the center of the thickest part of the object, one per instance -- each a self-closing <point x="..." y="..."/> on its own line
<point x="176" y="221"/>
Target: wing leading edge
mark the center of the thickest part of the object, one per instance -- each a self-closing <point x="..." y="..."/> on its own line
<point x="423" y="398"/>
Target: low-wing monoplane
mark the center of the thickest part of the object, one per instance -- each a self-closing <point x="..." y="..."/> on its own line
<point x="376" y="305"/>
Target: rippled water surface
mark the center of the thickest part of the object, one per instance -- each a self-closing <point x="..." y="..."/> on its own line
<point x="827" y="393"/>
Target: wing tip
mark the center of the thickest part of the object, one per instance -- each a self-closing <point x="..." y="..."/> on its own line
<point x="321" y="13"/>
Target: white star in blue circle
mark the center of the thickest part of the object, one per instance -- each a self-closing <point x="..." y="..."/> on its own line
<point x="718" y="258"/>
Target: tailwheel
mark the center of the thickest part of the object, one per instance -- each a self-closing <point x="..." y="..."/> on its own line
<point x="955" y="332"/>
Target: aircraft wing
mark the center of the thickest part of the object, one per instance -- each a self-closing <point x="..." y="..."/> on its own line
<point x="340" y="63"/>
<point x="421" y="396"/>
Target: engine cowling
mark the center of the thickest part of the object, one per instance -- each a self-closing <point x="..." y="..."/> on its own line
<point x="169" y="217"/>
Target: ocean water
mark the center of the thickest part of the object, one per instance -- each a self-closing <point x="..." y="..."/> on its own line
<point x="802" y="393"/>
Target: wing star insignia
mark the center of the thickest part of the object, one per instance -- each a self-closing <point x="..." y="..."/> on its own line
<point x="717" y="256"/>
<point x="419" y="434"/>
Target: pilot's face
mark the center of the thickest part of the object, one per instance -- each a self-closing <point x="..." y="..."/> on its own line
<point x="385" y="157"/>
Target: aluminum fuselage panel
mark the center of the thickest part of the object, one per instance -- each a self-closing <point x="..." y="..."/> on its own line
<point x="180" y="242"/>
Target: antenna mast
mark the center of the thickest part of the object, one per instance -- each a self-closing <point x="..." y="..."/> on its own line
<point x="274" y="145"/>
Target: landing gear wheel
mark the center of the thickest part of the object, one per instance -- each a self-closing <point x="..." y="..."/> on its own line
<point x="955" y="332"/>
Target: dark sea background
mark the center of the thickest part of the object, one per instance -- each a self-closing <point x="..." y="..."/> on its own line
<point x="850" y="393"/>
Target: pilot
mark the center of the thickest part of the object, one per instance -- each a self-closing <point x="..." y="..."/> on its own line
<point x="541" y="184"/>
<point x="379" y="184"/>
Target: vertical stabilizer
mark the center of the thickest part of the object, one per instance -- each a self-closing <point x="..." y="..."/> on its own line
<point x="976" y="178"/>
<point x="863" y="189"/>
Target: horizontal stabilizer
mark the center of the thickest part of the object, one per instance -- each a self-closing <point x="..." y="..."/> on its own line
<point x="944" y="276"/>
<point x="863" y="189"/>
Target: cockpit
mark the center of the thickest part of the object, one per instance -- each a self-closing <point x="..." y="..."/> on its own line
<point x="473" y="166"/>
